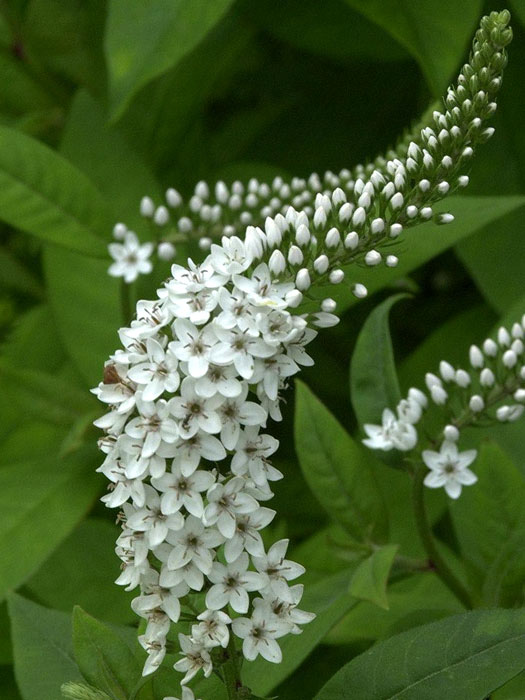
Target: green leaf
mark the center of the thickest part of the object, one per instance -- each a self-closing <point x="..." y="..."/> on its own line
<point x="339" y="472"/>
<point x="102" y="152"/>
<point x="43" y="194"/>
<point x="435" y="33"/>
<point x="42" y="649"/>
<point x="424" y="242"/>
<point x="464" y="656"/>
<point x="88" y="328"/>
<point x="329" y="29"/>
<point x="88" y="567"/>
<point x="370" y="579"/>
<point x="40" y="502"/>
<point x="327" y="598"/>
<point x="45" y="395"/>
<point x="103" y="658"/>
<point x="414" y="600"/>
<point x="144" y="40"/>
<point x="67" y="38"/>
<point x="490" y="527"/>
<point x="373" y="378"/>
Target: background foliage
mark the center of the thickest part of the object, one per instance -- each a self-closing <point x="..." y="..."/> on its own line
<point x="103" y="102"/>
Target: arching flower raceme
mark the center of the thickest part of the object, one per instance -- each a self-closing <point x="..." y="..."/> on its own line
<point x="199" y="378"/>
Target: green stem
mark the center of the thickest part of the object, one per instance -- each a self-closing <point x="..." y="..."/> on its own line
<point x="231" y="673"/>
<point x="425" y="532"/>
<point x="125" y="302"/>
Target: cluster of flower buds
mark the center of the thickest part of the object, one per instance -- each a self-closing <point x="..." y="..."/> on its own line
<point x="320" y="224"/>
<point x="492" y="390"/>
<point x="189" y="464"/>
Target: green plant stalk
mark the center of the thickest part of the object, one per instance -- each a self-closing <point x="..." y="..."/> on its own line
<point x="231" y="674"/>
<point x="125" y="302"/>
<point x="427" y="539"/>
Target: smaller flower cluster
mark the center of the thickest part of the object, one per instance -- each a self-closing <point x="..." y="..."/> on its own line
<point x="491" y="390"/>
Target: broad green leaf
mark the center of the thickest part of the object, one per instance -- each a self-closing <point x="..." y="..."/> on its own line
<point x="104" y="660"/>
<point x="414" y="600"/>
<point x="88" y="328"/>
<point x="487" y="254"/>
<point x="339" y="472"/>
<point x="488" y="514"/>
<point x="513" y="690"/>
<point x="44" y="395"/>
<point x="67" y="38"/>
<point x="21" y="349"/>
<point x="102" y="152"/>
<point x="164" y="113"/>
<point x="40" y="503"/>
<point x="88" y="566"/>
<point x="42" y="649"/>
<point x="327" y="598"/>
<point x="43" y="194"/>
<point x="373" y="378"/>
<point x="145" y="39"/>
<point x="14" y="275"/>
<point x="425" y="242"/>
<point x="370" y="579"/>
<point x="329" y="29"/>
<point x="464" y="656"/>
<point x="435" y="33"/>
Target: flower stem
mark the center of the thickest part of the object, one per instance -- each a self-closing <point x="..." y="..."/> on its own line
<point x="125" y="302"/>
<point x="425" y="532"/>
<point x="231" y="673"/>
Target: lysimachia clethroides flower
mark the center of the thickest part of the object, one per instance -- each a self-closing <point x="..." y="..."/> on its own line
<point x="202" y="368"/>
<point x="491" y="390"/>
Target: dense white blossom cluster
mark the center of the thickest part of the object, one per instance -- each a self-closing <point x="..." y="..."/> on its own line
<point x="189" y="462"/>
<point x="491" y="390"/>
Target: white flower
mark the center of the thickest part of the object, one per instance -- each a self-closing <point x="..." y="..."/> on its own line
<point x="278" y="570"/>
<point x="225" y="503"/>
<point x="231" y="257"/>
<point x="194" y="543"/>
<point x="213" y="629"/>
<point x="179" y="490"/>
<point x="232" y="583"/>
<point x="187" y="694"/>
<point x="131" y="258"/>
<point x="251" y="455"/>
<point x="193" y="346"/>
<point x="190" y="451"/>
<point x="158" y="373"/>
<point x="259" y="634"/>
<point x="392" y="434"/>
<point x="449" y="468"/>
<point x="287" y="612"/>
<point x="195" y="412"/>
<point x="238" y="411"/>
<point x="151" y="519"/>
<point x="240" y="348"/>
<point x="261" y="290"/>
<point x="247" y="535"/>
<point x="219" y="380"/>
<point x="153" y="425"/>
<point x="195" y="658"/>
